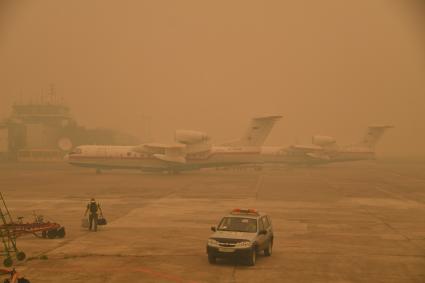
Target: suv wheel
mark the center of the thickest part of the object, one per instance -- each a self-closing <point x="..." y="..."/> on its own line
<point x="211" y="258"/>
<point x="269" y="250"/>
<point x="252" y="258"/>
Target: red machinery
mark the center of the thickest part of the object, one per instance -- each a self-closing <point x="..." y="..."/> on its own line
<point x="14" y="276"/>
<point x="39" y="229"/>
<point x="10" y="230"/>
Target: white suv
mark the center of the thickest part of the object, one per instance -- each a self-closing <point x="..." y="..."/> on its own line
<point x="242" y="233"/>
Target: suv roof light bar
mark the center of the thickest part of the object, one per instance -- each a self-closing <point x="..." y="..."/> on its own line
<point x="245" y="211"/>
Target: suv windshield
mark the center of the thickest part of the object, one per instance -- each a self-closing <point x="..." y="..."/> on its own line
<point x="238" y="224"/>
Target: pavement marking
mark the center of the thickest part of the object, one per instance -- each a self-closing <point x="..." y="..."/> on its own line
<point x="397" y="196"/>
<point x="84" y="234"/>
<point x="400" y="196"/>
<point x="140" y="269"/>
<point x="258" y="186"/>
<point x="62" y="244"/>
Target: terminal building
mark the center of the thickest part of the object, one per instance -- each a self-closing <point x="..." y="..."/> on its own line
<point x="46" y="131"/>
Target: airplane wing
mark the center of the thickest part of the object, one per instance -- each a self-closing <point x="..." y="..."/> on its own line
<point x="319" y="156"/>
<point x="174" y="153"/>
<point x="306" y="147"/>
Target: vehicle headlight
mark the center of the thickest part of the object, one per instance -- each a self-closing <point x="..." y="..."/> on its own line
<point x="212" y="242"/>
<point x="244" y="244"/>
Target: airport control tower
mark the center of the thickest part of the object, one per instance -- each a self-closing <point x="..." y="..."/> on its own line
<point x="39" y="130"/>
<point x="44" y="130"/>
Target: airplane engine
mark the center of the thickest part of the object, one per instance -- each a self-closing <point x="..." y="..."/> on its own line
<point x="323" y="140"/>
<point x="191" y="137"/>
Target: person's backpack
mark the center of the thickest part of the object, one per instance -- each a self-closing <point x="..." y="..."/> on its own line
<point x="93" y="207"/>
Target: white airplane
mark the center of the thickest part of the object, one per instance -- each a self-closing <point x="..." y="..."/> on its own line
<point x="324" y="149"/>
<point x="192" y="151"/>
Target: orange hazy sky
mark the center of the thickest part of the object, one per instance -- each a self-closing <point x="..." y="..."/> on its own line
<point x="329" y="67"/>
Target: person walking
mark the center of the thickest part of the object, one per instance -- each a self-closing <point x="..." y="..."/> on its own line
<point x="93" y="208"/>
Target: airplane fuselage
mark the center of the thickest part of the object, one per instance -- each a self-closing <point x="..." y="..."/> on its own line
<point x="313" y="155"/>
<point x="126" y="157"/>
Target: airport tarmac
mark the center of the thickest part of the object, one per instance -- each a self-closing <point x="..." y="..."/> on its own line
<point x="359" y="222"/>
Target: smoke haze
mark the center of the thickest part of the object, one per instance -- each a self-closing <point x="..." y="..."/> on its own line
<point x="329" y="67"/>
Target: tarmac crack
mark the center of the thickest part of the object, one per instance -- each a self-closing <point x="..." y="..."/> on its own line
<point x="397" y="196"/>
<point x="388" y="225"/>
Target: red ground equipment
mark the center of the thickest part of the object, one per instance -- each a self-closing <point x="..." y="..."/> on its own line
<point x="14" y="276"/>
<point x="10" y="230"/>
<point x="38" y="228"/>
<point x="7" y="236"/>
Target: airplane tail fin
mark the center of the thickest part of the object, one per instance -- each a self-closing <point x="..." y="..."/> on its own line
<point x="257" y="132"/>
<point x="374" y="134"/>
